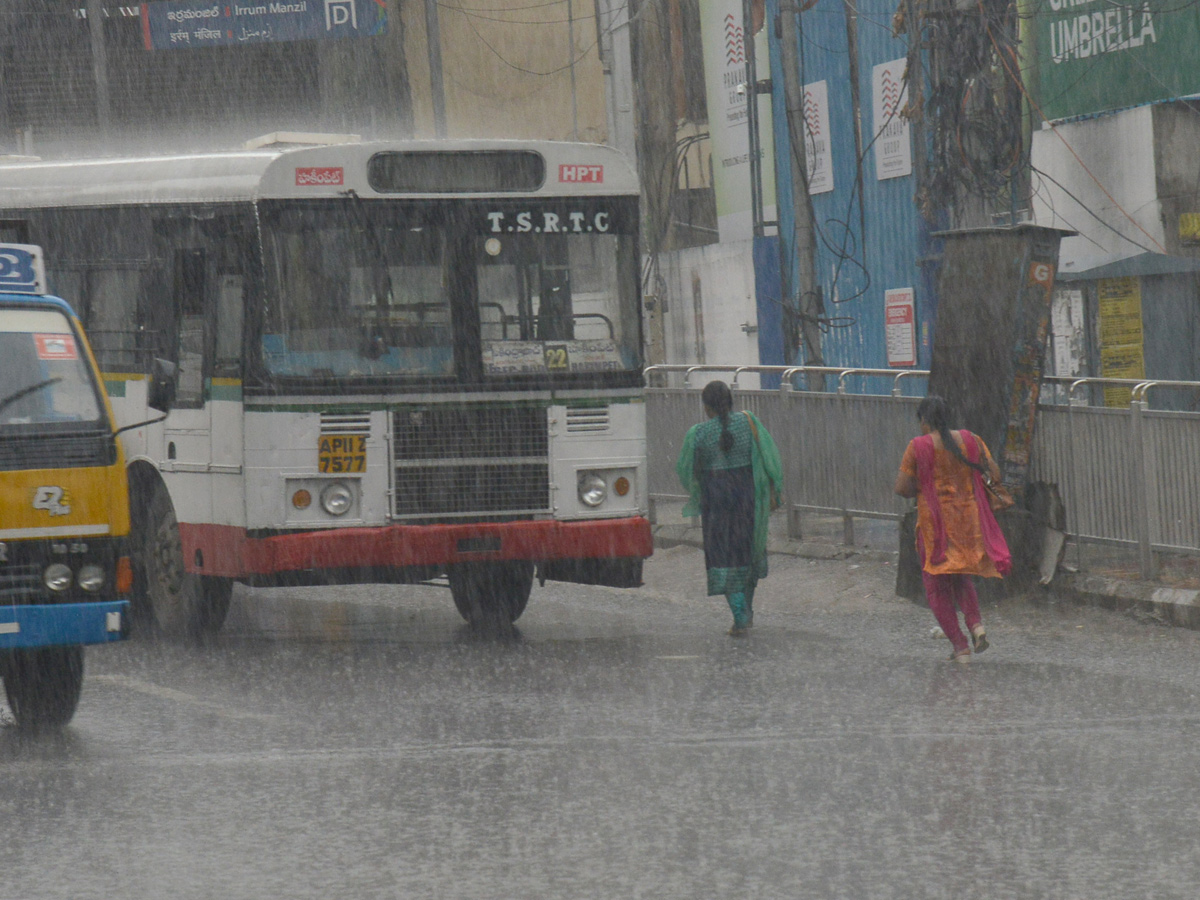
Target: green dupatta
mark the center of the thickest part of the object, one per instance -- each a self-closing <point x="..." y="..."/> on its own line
<point x="766" y="465"/>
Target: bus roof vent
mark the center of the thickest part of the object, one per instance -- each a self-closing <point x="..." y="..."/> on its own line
<point x="299" y="139"/>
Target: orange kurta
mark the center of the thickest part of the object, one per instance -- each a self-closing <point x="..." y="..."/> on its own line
<point x="965" y="551"/>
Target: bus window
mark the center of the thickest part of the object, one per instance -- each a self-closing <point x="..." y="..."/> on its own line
<point x="189" y="303"/>
<point x="69" y="284"/>
<point x="112" y="305"/>
<point x="229" y="326"/>
<point x="14" y="231"/>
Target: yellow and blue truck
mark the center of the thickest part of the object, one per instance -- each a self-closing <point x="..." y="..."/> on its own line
<point x="65" y="571"/>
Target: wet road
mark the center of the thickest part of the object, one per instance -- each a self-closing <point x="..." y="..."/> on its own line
<point x="363" y="743"/>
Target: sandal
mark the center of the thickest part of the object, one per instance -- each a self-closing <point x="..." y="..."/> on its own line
<point x="979" y="639"/>
<point x="960" y="656"/>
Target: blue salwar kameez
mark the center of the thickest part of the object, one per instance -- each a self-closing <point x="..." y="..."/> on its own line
<point x="731" y="491"/>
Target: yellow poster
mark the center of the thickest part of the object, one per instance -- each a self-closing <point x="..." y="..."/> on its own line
<point x="1121" y="347"/>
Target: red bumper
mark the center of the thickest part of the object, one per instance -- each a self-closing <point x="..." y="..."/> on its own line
<point x="225" y="550"/>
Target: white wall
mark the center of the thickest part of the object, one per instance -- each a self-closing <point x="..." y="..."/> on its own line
<point x="1118" y="149"/>
<point x="710" y="295"/>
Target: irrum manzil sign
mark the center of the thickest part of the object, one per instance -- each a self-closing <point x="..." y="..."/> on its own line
<point x="1097" y="55"/>
<point x="188" y="24"/>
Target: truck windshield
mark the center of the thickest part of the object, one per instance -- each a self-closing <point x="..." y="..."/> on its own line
<point x="44" y="374"/>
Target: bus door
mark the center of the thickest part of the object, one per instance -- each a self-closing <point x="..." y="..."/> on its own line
<point x="207" y="279"/>
<point x="188" y="430"/>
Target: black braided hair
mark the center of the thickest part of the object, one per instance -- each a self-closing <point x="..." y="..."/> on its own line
<point x="718" y="399"/>
<point x="935" y="412"/>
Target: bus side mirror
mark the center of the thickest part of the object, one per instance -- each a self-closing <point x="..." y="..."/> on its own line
<point x="161" y="394"/>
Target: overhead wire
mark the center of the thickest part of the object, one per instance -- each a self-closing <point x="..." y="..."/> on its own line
<point x="1058" y="133"/>
<point x="1100" y="219"/>
<point x="841" y="251"/>
<point x="575" y="60"/>
<point x="1036" y="187"/>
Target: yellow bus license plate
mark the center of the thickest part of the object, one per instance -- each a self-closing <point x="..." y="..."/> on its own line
<point x="342" y="454"/>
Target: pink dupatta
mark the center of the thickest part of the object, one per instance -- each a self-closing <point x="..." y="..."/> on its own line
<point x="993" y="538"/>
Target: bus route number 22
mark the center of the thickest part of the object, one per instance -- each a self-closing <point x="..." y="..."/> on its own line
<point x="557" y="358"/>
<point x="342" y="454"/>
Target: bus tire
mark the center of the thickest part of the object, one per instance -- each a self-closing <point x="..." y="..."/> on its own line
<point x="491" y="595"/>
<point x="177" y="604"/>
<point x="43" y="685"/>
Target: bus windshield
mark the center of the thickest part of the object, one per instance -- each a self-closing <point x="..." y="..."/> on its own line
<point x="44" y="375"/>
<point x="351" y="293"/>
<point x="389" y="287"/>
<point x="557" y="303"/>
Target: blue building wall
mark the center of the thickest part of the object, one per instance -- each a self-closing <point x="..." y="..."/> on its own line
<point x="768" y="292"/>
<point x="871" y="236"/>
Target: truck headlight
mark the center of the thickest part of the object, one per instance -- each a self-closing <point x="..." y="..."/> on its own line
<point x="336" y="499"/>
<point x="592" y="489"/>
<point x="57" y="577"/>
<point x="91" y="578"/>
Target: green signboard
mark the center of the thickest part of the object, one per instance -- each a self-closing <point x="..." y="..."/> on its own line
<point x="1096" y="55"/>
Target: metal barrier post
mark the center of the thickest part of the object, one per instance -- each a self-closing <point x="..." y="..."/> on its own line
<point x="1141" y="474"/>
<point x="841" y="459"/>
<point x="794" y="531"/>
<point x="1072" y="500"/>
<point x="1148" y="507"/>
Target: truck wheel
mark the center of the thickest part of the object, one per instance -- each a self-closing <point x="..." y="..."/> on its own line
<point x="43" y="685"/>
<point x="177" y="604"/>
<point x="491" y="595"/>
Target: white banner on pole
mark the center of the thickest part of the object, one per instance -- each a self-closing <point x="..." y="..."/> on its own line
<point x="893" y="146"/>
<point x="817" y="148"/>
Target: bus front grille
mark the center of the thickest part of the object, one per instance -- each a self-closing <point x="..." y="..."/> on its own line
<point x="457" y="462"/>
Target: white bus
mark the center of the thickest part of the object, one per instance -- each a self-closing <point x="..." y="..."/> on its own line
<point x="394" y="361"/>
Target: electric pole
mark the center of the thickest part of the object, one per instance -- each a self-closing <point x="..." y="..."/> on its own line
<point x="803" y="245"/>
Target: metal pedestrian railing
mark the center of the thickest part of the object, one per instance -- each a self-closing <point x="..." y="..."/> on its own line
<point x="1128" y="476"/>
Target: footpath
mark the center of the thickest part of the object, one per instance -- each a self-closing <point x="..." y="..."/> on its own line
<point x="1089" y="575"/>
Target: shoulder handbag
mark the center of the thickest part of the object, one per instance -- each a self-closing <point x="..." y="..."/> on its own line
<point x="999" y="497"/>
<point x="776" y="502"/>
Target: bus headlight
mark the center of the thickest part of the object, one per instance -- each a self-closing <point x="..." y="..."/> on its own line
<point x="336" y="499"/>
<point x="91" y="578"/>
<point x="57" y="577"/>
<point x="592" y="489"/>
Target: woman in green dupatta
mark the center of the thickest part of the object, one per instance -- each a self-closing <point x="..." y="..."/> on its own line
<point x="731" y="469"/>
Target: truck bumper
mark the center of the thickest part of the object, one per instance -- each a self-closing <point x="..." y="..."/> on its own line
<point x="63" y="624"/>
<point x="229" y="552"/>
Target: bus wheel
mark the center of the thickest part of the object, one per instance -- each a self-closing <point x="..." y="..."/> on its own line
<point x="491" y="594"/>
<point x="43" y="685"/>
<point x="180" y="605"/>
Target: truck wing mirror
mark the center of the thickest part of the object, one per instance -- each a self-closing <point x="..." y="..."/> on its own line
<point x="161" y="393"/>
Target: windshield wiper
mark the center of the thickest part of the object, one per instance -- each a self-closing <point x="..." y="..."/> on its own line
<point x="26" y="391"/>
<point x="374" y="345"/>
